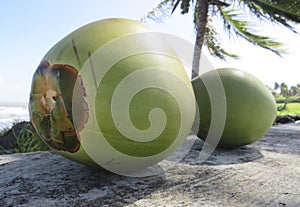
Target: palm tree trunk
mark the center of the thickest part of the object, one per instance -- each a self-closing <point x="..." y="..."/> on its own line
<point x="201" y="11"/>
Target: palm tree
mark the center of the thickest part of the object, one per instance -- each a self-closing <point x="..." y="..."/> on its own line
<point x="294" y="90"/>
<point x="284" y="91"/>
<point x="298" y="86"/>
<point x="276" y="86"/>
<point x="232" y="13"/>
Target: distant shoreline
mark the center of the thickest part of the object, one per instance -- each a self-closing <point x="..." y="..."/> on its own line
<point x="13" y="104"/>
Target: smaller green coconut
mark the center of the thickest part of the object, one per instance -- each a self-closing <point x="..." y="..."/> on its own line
<point x="250" y="107"/>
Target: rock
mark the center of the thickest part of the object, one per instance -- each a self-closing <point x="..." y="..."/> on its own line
<point x="7" y="141"/>
<point x="296" y="118"/>
<point x="284" y="119"/>
<point x="265" y="173"/>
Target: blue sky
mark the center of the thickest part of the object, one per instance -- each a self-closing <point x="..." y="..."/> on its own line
<point x="30" y="28"/>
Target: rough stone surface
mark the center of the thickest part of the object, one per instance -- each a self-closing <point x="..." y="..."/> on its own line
<point x="265" y="173"/>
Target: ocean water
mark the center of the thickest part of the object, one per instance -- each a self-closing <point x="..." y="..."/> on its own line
<point x="11" y="113"/>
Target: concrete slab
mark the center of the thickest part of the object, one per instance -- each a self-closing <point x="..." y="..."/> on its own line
<point x="265" y="173"/>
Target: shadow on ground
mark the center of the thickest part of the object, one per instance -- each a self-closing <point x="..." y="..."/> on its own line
<point x="265" y="173"/>
<point x="223" y="156"/>
<point x="46" y="179"/>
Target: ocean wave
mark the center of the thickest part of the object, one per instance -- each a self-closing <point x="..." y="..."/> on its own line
<point x="11" y="113"/>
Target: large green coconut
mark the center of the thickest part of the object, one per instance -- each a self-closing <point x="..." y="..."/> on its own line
<point x="112" y="94"/>
<point x="250" y="107"/>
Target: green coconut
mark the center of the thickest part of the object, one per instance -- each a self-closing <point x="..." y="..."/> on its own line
<point x="250" y="107"/>
<point x="112" y="94"/>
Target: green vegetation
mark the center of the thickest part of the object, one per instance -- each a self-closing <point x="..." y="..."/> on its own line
<point x="287" y="99"/>
<point x="4" y="131"/>
<point x="25" y="139"/>
<point x="290" y="99"/>
<point x="291" y="109"/>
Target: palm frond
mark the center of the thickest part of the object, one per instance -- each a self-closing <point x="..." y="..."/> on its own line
<point x="211" y="40"/>
<point x="175" y="6"/>
<point x="185" y="5"/>
<point x="280" y="11"/>
<point x="159" y="12"/>
<point x="234" y="22"/>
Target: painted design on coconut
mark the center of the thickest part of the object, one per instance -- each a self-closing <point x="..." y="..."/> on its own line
<point x="50" y="105"/>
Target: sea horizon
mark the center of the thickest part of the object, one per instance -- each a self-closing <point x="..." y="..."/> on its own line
<point x="13" y="103"/>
